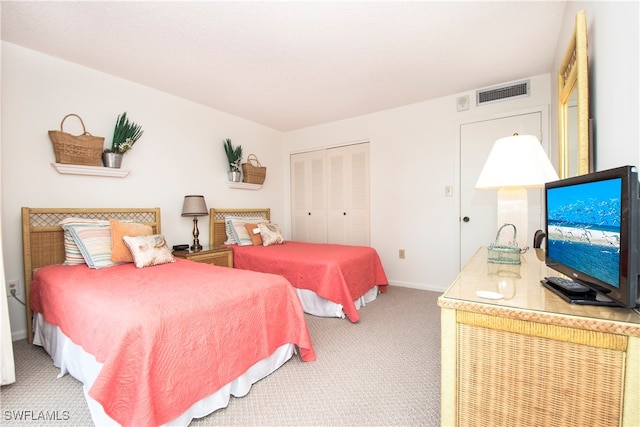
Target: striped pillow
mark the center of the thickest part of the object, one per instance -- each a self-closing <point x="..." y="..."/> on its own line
<point x="240" y="232"/>
<point x="94" y="243"/>
<point x="72" y="254"/>
<point x="228" y="226"/>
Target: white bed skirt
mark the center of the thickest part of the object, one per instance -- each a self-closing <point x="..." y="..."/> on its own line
<point x="322" y="307"/>
<point x="73" y="360"/>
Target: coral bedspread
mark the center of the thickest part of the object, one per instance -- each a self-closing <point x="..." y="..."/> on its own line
<point x="169" y="335"/>
<point x="339" y="273"/>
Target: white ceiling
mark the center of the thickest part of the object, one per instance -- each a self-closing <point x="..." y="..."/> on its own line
<point x="290" y="65"/>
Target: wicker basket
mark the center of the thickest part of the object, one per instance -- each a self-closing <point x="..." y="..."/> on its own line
<point x="84" y="149"/>
<point x="505" y="254"/>
<point x="253" y="174"/>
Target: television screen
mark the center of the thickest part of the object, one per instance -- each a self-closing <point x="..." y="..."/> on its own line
<point x="593" y="235"/>
<point x="584" y="228"/>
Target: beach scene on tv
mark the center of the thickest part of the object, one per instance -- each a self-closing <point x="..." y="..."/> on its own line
<point x="583" y="227"/>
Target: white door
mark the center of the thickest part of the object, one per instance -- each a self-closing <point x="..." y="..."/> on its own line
<point x="348" y="195"/>
<point x="478" y="208"/>
<point x="308" y="197"/>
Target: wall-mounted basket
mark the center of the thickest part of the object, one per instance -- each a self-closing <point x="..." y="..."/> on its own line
<point x="253" y="174"/>
<point x="84" y="149"/>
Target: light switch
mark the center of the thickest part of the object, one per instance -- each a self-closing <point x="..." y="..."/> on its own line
<point x="448" y="190"/>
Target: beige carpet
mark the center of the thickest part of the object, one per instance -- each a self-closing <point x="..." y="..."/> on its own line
<point x="382" y="371"/>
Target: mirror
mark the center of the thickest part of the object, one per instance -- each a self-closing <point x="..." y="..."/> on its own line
<point x="574" y="156"/>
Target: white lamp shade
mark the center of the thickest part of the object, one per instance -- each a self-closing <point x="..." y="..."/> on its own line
<point x="516" y="161"/>
<point x="194" y="206"/>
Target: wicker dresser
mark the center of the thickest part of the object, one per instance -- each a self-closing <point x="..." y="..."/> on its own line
<point x="531" y="358"/>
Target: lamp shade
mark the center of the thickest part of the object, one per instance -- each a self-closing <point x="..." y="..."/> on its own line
<point x="194" y="206"/>
<point x="516" y="161"/>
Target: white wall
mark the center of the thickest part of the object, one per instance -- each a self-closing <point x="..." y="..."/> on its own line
<point x="180" y="152"/>
<point x="7" y="366"/>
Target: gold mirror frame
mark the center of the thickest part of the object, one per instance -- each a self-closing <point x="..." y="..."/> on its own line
<point x="574" y="155"/>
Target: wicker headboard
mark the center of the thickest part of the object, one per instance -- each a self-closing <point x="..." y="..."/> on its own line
<point x="217" y="233"/>
<point x="43" y="238"/>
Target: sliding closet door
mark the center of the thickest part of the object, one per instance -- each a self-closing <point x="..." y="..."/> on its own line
<point x="348" y="195"/>
<point x="330" y="195"/>
<point x="308" y="198"/>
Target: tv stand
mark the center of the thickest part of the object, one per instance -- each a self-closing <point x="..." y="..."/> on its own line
<point x="531" y="357"/>
<point x="581" y="298"/>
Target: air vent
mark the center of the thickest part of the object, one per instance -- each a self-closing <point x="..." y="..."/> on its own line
<point x="502" y="93"/>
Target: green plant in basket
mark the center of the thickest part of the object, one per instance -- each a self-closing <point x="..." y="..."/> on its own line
<point x="125" y="134"/>
<point x="234" y="155"/>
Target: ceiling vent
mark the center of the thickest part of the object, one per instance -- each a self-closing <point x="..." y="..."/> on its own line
<point x="501" y="93"/>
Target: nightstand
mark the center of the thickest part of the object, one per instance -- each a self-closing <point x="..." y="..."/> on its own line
<point x="222" y="256"/>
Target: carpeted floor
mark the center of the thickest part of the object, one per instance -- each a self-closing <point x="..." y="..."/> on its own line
<point x="382" y="371"/>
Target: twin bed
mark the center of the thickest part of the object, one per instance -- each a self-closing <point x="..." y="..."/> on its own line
<point x="172" y="341"/>
<point x="161" y="344"/>
<point x="330" y="280"/>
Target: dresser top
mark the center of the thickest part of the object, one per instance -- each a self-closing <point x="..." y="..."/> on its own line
<point x="523" y="293"/>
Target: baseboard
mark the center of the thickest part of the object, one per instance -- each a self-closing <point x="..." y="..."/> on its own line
<point x="420" y="286"/>
<point x="19" y="335"/>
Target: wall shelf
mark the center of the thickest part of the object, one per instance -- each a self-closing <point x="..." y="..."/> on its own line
<point x="243" y="185"/>
<point x="90" y="170"/>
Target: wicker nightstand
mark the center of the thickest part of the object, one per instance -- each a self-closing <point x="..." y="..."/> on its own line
<point x="222" y="256"/>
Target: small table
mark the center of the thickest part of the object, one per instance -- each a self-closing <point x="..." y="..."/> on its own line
<point x="222" y="256"/>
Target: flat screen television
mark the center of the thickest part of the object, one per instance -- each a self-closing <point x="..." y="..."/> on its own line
<point x="593" y="234"/>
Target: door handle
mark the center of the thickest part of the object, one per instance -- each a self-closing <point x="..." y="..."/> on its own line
<point x="466" y="219"/>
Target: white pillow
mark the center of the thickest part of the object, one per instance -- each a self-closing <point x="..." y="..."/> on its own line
<point x="148" y="251"/>
<point x="270" y="234"/>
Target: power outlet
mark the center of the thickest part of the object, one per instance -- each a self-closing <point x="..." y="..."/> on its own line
<point x="401" y="253"/>
<point x="13" y="284"/>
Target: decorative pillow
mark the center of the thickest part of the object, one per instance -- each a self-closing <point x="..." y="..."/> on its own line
<point x="148" y="251"/>
<point x="72" y="254"/>
<point x="228" y="226"/>
<point x="254" y="233"/>
<point x="119" y="250"/>
<point x="240" y="232"/>
<point x="270" y="234"/>
<point x="94" y="243"/>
